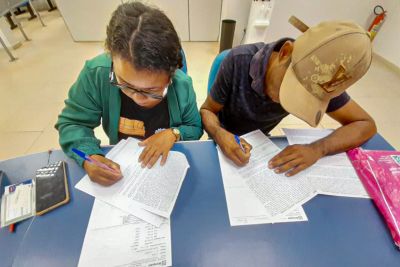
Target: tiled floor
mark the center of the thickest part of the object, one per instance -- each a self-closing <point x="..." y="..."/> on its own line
<point x="33" y="88"/>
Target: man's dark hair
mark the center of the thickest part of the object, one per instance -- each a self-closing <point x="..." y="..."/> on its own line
<point x="145" y="37"/>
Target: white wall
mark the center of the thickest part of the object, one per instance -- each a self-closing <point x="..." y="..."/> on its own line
<point x="237" y="10"/>
<point x="177" y="12"/>
<point x="87" y="20"/>
<point x="386" y="43"/>
<point x="204" y="19"/>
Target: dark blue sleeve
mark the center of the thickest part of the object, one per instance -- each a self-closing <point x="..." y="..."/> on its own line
<point x="338" y="102"/>
<point x="222" y="86"/>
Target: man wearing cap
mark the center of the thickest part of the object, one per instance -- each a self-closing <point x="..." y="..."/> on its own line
<point x="259" y="84"/>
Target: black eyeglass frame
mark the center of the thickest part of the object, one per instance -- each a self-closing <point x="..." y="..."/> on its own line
<point x="113" y="81"/>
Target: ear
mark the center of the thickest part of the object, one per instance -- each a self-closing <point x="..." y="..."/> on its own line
<point x="285" y="52"/>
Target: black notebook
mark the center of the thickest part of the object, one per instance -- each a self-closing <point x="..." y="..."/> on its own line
<point x="51" y="187"/>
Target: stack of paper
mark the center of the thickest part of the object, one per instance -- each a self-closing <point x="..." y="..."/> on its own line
<point x="331" y="175"/>
<point x="149" y="194"/>
<point x="129" y="224"/>
<point x="116" y="238"/>
<point x="255" y="194"/>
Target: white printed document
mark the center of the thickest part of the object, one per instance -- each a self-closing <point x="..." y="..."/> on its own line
<point x="17" y="203"/>
<point x="276" y="192"/>
<point x="255" y="194"/>
<point x="331" y="175"/>
<point x="149" y="194"/>
<point x="244" y="208"/>
<point x="116" y="238"/>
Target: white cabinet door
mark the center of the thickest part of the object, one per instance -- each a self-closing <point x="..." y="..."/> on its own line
<point x="204" y="19"/>
<point x="177" y="12"/>
<point x="87" y="20"/>
<point x="194" y="20"/>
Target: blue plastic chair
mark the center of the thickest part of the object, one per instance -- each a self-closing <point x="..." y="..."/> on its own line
<point x="214" y="69"/>
<point x="184" y="67"/>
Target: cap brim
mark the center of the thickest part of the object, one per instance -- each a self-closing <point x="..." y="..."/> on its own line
<point x="296" y="100"/>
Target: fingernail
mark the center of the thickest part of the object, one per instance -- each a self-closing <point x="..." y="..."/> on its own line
<point x="288" y="174"/>
<point x="276" y="170"/>
<point x="142" y="165"/>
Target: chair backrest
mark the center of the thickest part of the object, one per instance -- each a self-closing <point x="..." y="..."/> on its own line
<point x="214" y="68"/>
<point x="184" y="67"/>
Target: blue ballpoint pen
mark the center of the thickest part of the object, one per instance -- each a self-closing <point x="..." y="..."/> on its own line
<point x="237" y="139"/>
<point x="92" y="161"/>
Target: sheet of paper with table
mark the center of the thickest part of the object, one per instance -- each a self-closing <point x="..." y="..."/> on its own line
<point x="117" y="238"/>
<point x="149" y="194"/>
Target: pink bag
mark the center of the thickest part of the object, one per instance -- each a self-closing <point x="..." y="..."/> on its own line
<point x="379" y="171"/>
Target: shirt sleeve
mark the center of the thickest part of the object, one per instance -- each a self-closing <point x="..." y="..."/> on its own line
<point x="191" y="127"/>
<point x="222" y="86"/>
<point x="81" y="114"/>
<point x="338" y="102"/>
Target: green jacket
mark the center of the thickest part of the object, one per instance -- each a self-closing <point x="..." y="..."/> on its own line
<point x="92" y="101"/>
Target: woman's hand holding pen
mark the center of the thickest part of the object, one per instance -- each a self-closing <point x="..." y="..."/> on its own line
<point x="101" y="175"/>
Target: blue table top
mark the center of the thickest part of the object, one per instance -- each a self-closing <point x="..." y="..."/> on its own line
<point x="340" y="231"/>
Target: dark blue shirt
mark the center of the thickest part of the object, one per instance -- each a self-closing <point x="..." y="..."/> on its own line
<point x="239" y="86"/>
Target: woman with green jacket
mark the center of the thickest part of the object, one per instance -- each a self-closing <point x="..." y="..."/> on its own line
<point x="134" y="90"/>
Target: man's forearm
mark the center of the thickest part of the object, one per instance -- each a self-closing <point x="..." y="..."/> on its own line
<point x="346" y="137"/>
<point x="211" y="122"/>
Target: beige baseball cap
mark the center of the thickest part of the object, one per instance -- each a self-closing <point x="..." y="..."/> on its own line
<point x="326" y="60"/>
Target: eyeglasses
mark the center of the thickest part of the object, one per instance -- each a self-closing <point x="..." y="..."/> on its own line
<point x="113" y="81"/>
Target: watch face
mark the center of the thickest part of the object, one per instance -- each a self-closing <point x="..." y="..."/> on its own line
<point x="177" y="133"/>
